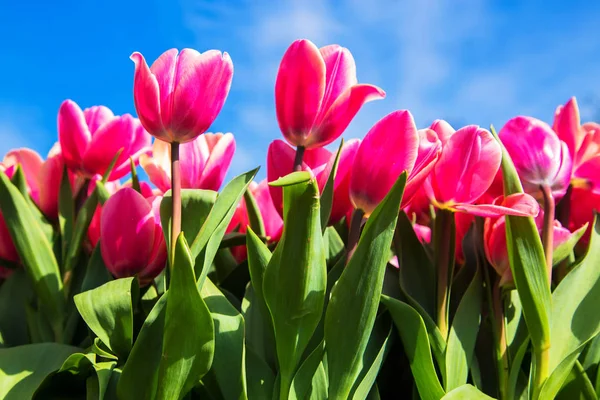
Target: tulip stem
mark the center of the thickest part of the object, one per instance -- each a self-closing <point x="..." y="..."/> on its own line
<point x="298" y="159"/>
<point x="444" y="262"/>
<point x="176" y="195"/>
<point x="501" y="347"/>
<point x="563" y="213"/>
<point x="354" y="233"/>
<point x="548" y="228"/>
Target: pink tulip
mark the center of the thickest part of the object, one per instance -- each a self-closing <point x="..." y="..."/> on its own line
<point x="111" y="187"/>
<point x="466" y="169"/>
<point x="540" y="157"/>
<point x="319" y="161"/>
<point x="583" y="204"/>
<point x="583" y="142"/>
<point x="393" y="145"/>
<point x="43" y="177"/>
<point x="494" y="241"/>
<point x="317" y="94"/>
<point x="132" y="241"/>
<point x="91" y="138"/>
<point x="443" y="129"/>
<point x="180" y="95"/>
<point x="272" y="221"/>
<point x="423" y="233"/>
<point x="204" y="162"/>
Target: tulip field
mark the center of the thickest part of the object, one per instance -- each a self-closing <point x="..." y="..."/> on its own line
<point x="429" y="263"/>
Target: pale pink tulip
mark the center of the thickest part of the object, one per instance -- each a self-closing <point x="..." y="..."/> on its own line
<point x="204" y="162"/>
<point x="317" y="94"/>
<point x="393" y="145"/>
<point x="91" y="138"/>
<point x="540" y="157"/>
<point x="132" y="241"/>
<point x="180" y="95"/>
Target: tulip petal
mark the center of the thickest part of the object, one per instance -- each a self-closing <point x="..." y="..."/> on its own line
<point x="430" y="148"/>
<point x="73" y="133"/>
<point x="566" y="125"/>
<point x="97" y="116"/>
<point x="518" y="204"/>
<point x="336" y="119"/>
<point x="194" y="156"/>
<point x="158" y="167"/>
<point x="299" y="90"/>
<point x="340" y="73"/>
<point x="31" y="163"/>
<point x="8" y="250"/>
<point x="271" y="219"/>
<point x="443" y="129"/>
<point x="342" y="204"/>
<point x="146" y="95"/>
<point x="202" y="85"/>
<point x="163" y="70"/>
<point x="49" y="179"/>
<point x="218" y="162"/>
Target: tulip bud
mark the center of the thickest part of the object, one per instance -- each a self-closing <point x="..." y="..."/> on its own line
<point x="540" y="157"/>
<point x="91" y="138"/>
<point x="317" y="94"/>
<point x="180" y="95"/>
<point x="204" y="162"/>
<point x="393" y="145"/>
<point x="132" y="241"/>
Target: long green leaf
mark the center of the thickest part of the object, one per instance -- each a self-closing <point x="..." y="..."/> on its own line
<point x="358" y="289"/>
<point x="35" y="252"/>
<point x="15" y="293"/>
<point x="295" y="279"/>
<point x="66" y="212"/>
<point x="327" y="195"/>
<point x="255" y="220"/>
<point x="466" y="392"/>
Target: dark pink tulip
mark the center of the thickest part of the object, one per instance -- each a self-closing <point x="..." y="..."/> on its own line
<point x="91" y="138"/>
<point x="132" y="241"/>
<point x="204" y="162"/>
<point x="319" y="161"/>
<point x="317" y="94"/>
<point x="583" y="142"/>
<point x="111" y="187"/>
<point x="393" y="145"/>
<point x="180" y="95"/>
<point x="540" y="157"/>
<point x="494" y="241"/>
<point x="443" y="129"/>
<point x="583" y="204"/>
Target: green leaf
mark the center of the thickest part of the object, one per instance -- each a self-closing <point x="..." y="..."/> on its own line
<point x="140" y="374"/>
<point x="295" y="279"/>
<point x="334" y="245"/>
<point x="188" y="340"/>
<point x="463" y="335"/>
<point x="295" y="178"/>
<point x="260" y="377"/>
<point x="303" y="380"/>
<point x="82" y="223"/>
<point x="23" y="368"/>
<point x="195" y="207"/>
<point x="563" y="250"/>
<point x="327" y="195"/>
<point x="577" y="386"/>
<point x="228" y="366"/>
<point x="68" y="380"/>
<point x="15" y="294"/>
<point x="574" y="310"/>
<point x="466" y="392"/>
<point x="66" y="212"/>
<point x="207" y="241"/>
<point x="515" y="369"/>
<point x="358" y="289"/>
<point x="414" y="337"/>
<point x="254" y="216"/>
<point x="108" y="312"/>
<point x="35" y="252"/>
<point x="527" y="262"/>
<point x="135" y="182"/>
<point x="96" y="273"/>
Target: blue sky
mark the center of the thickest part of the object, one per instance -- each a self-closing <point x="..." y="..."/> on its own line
<point x="468" y="61"/>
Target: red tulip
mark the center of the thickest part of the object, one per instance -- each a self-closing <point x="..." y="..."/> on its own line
<point x="393" y="145"/>
<point x="132" y="241"/>
<point x="90" y="139"/>
<point x="583" y="204"/>
<point x="204" y="162"/>
<point x="317" y="94"/>
<point x="180" y="95"/>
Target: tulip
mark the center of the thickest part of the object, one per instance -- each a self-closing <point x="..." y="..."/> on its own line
<point x="585" y="202"/>
<point x="272" y="221"/>
<point x="132" y="241"/>
<point x="204" y="162"/>
<point x="466" y="169"/>
<point x="540" y="157"/>
<point x="317" y="94"/>
<point x="180" y="95"/>
<point x="393" y="145"/>
<point x="494" y="241"/>
<point x="91" y="138"/>
<point x="583" y="142"/>
<point x="318" y="161"/>
<point x="8" y="251"/>
<point x="111" y="188"/>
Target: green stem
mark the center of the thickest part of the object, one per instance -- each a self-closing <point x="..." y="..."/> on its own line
<point x="176" y="196"/>
<point x="354" y="234"/>
<point x="501" y="346"/>
<point x="542" y="368"/>
<point x="298" y="158"/>
<point x="444" y="262"/>
<point x="563" y="213"/>
<point x="548" y="229"/>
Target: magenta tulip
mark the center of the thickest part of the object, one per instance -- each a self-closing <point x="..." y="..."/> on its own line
<point x="393" y="145"/>
<point x="204" y="162"/>
<point x="180" y="95"/>
<point x="132" y="241"/>
<point x="540" y="157"/>
<point x="90" y="139"/>
<point x="317" y="94"/>
<point x="583" y="142"/>
<point x="584" y="203"/>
